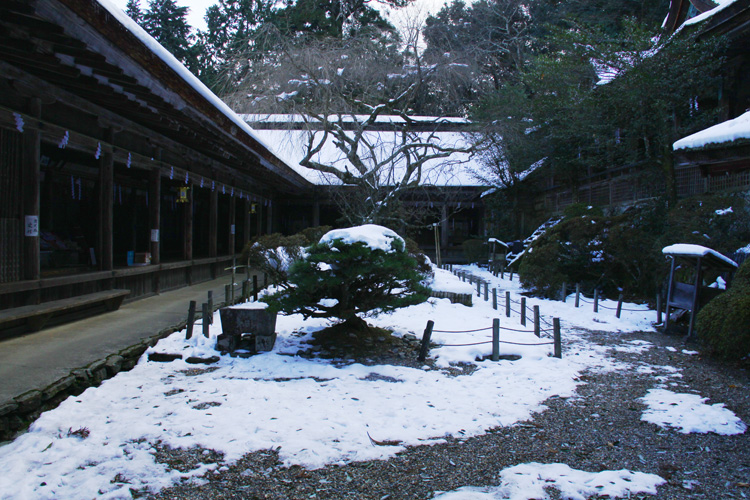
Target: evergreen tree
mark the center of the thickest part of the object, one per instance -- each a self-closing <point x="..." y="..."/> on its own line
<point x="133" y="9"/>
<point x="344" y="277"/>
<point x="167" y="23"/>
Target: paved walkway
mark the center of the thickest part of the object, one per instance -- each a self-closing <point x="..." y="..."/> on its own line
<point x="35" y="360"/>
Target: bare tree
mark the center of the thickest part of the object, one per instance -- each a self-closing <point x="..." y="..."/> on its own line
<point x="355" y="100"/>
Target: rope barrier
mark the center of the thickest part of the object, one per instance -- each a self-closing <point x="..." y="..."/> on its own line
<point x="463" y="331"/>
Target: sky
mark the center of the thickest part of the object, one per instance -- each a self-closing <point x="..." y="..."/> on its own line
<point x="420" y="8"/>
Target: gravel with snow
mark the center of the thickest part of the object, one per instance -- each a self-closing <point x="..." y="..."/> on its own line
<point x="285" y="425"/>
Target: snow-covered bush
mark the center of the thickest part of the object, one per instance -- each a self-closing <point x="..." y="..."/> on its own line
<point x="722" y="324"/>
<point x="352" y="272"/>
<point x="273" y="254"/>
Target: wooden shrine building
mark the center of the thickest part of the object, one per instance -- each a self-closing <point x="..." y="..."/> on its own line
<point x="118" y="168"/>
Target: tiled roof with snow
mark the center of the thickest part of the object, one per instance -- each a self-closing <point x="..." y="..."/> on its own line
<point x="456" y="170"/>
<point x="722" y="133"/>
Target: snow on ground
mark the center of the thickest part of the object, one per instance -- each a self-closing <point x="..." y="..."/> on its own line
<point x="314" y="411"/>
<point x="531" y="480"/>
<point x="689" y="413"/>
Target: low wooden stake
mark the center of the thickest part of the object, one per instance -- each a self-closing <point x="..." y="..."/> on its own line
<point x="486" y="291"/>
<point x="494" y="299"/>
<point x="578" y="294"/>
<point x="596" y="300"/>
<point x="211" y="305"/>
<point x="190" y="320"/>
<point x="537" y="330"/>
<point x="523" y="311"/>
<point x="557" y="339"/>
<point x="658" y="309"/>
<point x="564" y="292"/>
<point x="425" y="341"/>
<point x="619" y="306"/>
<point x="206" y="320"/>
<point x="479" y="288"/>
<point x="255" y="288"/>
<point x="496" y="339"/>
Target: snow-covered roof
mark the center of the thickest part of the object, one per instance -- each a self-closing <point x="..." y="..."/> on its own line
<point x="177" y="67"/>
<point x="456" y="170"/>
<point x="689" y="250"/>
<point x="292" y="118"/>
<point x="725" y="132"/>
<point x="723" y="4"/>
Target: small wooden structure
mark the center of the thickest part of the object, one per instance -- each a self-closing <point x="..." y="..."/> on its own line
<point x="692" y="296"/>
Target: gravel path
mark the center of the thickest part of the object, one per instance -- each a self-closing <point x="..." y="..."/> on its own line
<point x="597" y="429"/>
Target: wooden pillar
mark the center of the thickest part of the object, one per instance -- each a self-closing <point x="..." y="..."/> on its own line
<point x="31" y="176"/>
<point x="187" y="218"/>
<point x="154" y="213"/>
<point x="246" y="226"/>
<point x="269" y="218"/>
<point x="213" y="219"/>
<point x="232" y="226"/>
<point x="444" y="226"/>
<point x="106" y="203"/>
<point x="316" y="213"/>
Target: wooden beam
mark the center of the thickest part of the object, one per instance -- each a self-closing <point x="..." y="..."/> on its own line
<point x="213" y="219"/>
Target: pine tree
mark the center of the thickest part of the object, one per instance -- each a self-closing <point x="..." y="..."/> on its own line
<point x="133" y="9"/>
<point x="347" y="279"/>
<point x="167" y="23"/>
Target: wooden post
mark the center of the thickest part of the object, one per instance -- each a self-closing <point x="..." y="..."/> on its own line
<point x="523" y="311"/>
<point x="557" y="337"/>
<point x="187" y="215"/>
<point x="213" y="223"/>
<point x="479" y="288"/>
<point x="507" y="304"/>
<point x="211" y="305"/>
<point x="696" y="295"/>
<point x="511" y="274"/>
<point x="537" y="329"/>
<point x="669" y="293"/>
<point x="658" y="309"/>
<point x="245" y="290"/>
<point x="190" y="320"/>
<point x="246" y="222"/>
<point x="227" y="294"/>
<point x="578" y="294"/>
<point x="486" y="291"/>
<point x="494" y="299"/>
<point x="31" y="177"/>
<point x="106" y="202"/>
<point x="255" y="288"/>
<point x="154" y="214"/>
<point x="502" y="271"/>
<point x="596" y="300"/>
<point x="232" y="227"/>
<point x="206" y="319"/>
<point x="425" y="341"/>
<point x="564" y="292"/>
<point x="619" y="306"/>
<point x="496" y="339"/>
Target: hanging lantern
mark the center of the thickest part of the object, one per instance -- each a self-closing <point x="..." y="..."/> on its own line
<point x="183" y="195"/>
<point x="253" y="208"/>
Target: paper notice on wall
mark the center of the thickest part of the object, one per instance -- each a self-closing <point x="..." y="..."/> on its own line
<point x="154" y="235"/>
<point x="32" y="225"/>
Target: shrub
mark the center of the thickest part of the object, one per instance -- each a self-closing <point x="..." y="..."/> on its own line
<point x="273" y="254"/>
<point x="474" y="250"/>
<point x="313" y="234"/>
<point x="348" y="274"/>
<point x="722" y="324"/>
